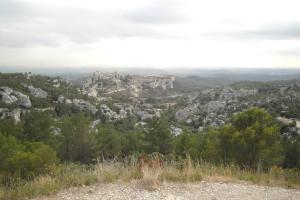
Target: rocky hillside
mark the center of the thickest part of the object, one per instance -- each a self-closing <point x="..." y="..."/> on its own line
<point x="113" y="97"/>
<point x="135" y="85"/>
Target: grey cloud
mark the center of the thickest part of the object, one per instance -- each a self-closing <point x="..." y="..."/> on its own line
<point x="279" y="32"/>
<point x="15" y="10"/>
<point x="165" y="12"/>
<point x="23" y="25"/>
<point x="13" y="38"/>
<point x="269" y="32"/>
<point x="290" y="52"/>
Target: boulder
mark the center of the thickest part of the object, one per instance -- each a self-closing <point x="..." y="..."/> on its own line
<point x="8" y="99"/>
<point x="23" y="100"/>
<point x="15" y="115"/>
<point x="107" y="112"/>
<point x="175" y="130"/>
<point x="6" y="96"/>
<point x="61" y="99"/>
<point x="68" y="101"/>
<point x="144" y="115"/>
<point x="92" y="92"/>
<point x="84" y="105"/>
<point x="112" y="115"/>
<point x="93" y="126"/>
<point x="6" y="89"/>
<point x="3" y="113"/>
<point x="200" y="129"/>
<point x="56" y="83"/>
<point x="37" y="92"/>
<point x="122" y="114"/>
<point x="55" y="130"/>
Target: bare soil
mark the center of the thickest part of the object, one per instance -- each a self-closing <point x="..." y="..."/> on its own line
<point x="205" y="190"/>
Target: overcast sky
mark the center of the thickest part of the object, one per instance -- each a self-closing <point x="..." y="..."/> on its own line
<point x="150" y="33"/>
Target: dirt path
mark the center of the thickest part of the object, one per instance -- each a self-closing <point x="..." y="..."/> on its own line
<point x="177" y="191"/>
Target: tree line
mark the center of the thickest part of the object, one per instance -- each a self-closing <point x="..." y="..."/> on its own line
<point x="251" y="139"/>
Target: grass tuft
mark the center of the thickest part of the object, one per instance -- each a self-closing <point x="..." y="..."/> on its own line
<point x="73" y="175"/>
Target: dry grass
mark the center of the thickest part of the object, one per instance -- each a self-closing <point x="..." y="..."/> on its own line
<point x="70" y="175"/>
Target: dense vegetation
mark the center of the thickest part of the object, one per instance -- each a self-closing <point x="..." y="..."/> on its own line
<point x="251" y="140"/>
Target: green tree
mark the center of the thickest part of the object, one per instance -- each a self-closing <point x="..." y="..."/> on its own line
<point x="256" y="139"/>
<point x="158" y="138"/>
<point x="252" y="140"/>
<point x="37" y="126"/>
<point x="133" y="142"/>
<point x="110" y="141"/>
<point x="291" y="152"/>
<point x="76" y="141"/>
<point x="186" y="144"/>
<point x="9" y="127"/>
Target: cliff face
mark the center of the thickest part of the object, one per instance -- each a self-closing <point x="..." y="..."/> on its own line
<point x="108" y="83"/>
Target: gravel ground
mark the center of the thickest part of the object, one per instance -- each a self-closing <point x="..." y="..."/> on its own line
<point x="176" y="191"/>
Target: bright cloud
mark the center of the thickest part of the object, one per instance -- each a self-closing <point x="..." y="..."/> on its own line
<point x="145" y="33"/>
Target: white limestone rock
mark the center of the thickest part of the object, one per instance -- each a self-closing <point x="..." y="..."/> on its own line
<point x="23" y="100"/>
<point x="83" y="105"/>
<point x="37" y="92"/>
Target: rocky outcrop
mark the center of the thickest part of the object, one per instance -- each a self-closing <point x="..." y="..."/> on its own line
<point x="140" y="124"/>
<point x="23" y="100"/>
<point x="144" y="115"/>
<point x="109" y="83"/>
<point x="6" y="90"/>
<point x="9" y="96"/>
<point x="55" y="130"/>
<point x="135" y="90"/>
<point x="214" y="106"/>
<point x="15" y="114"/>
<point x="129" y="109"/>
<point x="175" y="130"/>
<point x="56" y="83"/>
<point x="92" y="92"/>
<point x="187" y="114"/>
<point x="112" y="115"/>
<point x="3" y="112"/>
<point x="68" y="101"/>
<point x="93" y="126"/>
<point x="6" y="95"/>
<point x="61" y="99"/>
<point x="229" y="93"/>
<point x="36" y="92"/>
<point x="83" y="105"/>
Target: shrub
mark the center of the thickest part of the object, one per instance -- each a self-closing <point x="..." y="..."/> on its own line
<point x="36" y="160"/>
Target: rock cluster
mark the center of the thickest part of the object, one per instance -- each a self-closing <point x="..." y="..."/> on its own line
<point x="83" y="105"/>
<point x="37" y="92"/>
<point x="15" y="114"/>
<point x="112" y="115"/>
<point x="175" y="130"/>
<point x="187" y="114"/>
<point x="9" y="96"/>
<point x="109" y="83"/>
